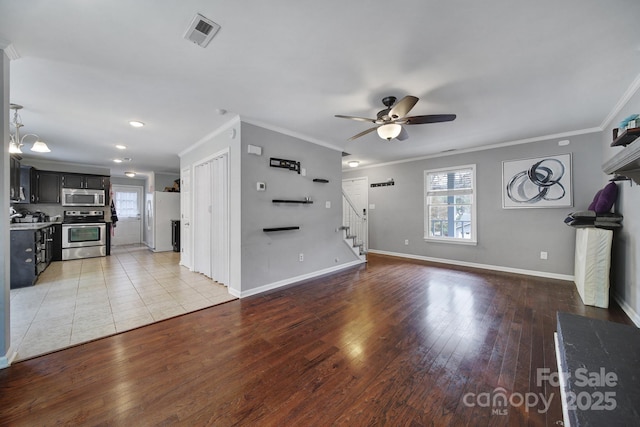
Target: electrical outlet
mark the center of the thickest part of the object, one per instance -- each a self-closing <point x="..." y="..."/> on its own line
<point x="543" y="255"/>
<point x="301" y="257"/>
<point x="406" y="242"/>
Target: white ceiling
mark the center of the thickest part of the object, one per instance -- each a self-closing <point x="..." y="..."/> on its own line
<point x="510" y="70"/>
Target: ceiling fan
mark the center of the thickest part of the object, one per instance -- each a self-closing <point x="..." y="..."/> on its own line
<point x="388" y="122"/>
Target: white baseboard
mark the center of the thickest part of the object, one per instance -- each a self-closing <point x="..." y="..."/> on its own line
<point x="7" y="359"/>
<point x="635" y="317"/>
<point x="285" y="282"/>
<point x="480" y="266"/>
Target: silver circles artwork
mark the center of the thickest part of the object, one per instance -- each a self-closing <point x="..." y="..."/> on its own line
<point x="540" y="182"/>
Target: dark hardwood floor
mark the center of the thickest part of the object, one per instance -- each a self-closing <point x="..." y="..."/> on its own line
<point x="395" y="342"/>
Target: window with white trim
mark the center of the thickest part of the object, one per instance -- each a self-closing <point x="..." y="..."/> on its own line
<point x="450" y="204"/>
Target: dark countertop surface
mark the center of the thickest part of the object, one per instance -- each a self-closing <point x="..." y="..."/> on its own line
<point x="602" y="360"/>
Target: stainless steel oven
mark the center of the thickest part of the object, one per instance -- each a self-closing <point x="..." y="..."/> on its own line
<point x="82" y="239"/>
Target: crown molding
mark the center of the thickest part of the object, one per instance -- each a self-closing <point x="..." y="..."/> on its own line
<point x="9" y="49"/>
<point x="484" y="147"/>
<point x="291" y="133"/>
<point x="624" y="99"/>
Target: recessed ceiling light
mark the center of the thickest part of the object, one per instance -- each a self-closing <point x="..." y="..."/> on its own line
<point x="353" y="163"/>
<point x="121" y="147"/>
<point x="117" y="160"/>
<point x="136" y="124"/>
<point x="130" y="174"/>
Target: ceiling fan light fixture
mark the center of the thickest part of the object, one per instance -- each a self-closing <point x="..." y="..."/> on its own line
<point x="353" y="163"/>
<point x="389" y="131"/>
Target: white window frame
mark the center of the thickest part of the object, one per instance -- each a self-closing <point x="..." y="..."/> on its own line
<point x="473" y="192"/>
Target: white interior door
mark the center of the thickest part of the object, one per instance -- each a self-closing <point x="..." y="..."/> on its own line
<point x="185" y="218"/>
<point x="211" y="219"/>
<point x="358" y="191"/>
<point x="202" y="219"/>
<point x="128" y="204"/>
<point x="220" y="220"/>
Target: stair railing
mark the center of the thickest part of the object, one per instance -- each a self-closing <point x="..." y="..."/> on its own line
<point x="355" y="222"/>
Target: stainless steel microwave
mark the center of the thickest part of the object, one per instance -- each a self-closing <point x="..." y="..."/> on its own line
<point x="82" y="197"/>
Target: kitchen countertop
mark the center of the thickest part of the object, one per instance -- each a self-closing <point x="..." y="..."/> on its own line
<point x="31" y="225"/>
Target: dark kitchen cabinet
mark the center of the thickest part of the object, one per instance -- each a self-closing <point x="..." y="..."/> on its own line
<point x="56" y="242"/>
<point x="31" y="253"/>
<point x="24" y="190"/>
<point x="14" y="178"/>
<point x="95" y="182"/>
<point x="47" y="187"/>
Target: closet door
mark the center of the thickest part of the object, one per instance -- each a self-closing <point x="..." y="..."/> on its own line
<point x="220" y="220"/>
<point x="202" y="192"/>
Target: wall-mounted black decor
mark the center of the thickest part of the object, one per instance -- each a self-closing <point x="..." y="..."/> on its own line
<point x="322" y="180"/>
<point x="383" y="184"/>
<point x="306" y="201"/>
<point x="269" y="230"/>
<point x="285" y="164"/>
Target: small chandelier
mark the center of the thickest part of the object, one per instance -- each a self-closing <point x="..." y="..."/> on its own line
<point x="17" y="142"/>
<point x="389" y="131"/>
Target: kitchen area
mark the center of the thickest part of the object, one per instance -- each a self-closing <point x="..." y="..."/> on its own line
<point x="69" y="283"/>
<point x="55" y="216"/>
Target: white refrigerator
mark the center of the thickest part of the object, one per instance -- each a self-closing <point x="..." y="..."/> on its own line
<point x="162" y="207"/>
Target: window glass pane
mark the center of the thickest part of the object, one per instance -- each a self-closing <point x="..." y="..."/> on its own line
<point x="127" y="204"/>
<point x="450" y="180"/>
<point x="449" y="204"/>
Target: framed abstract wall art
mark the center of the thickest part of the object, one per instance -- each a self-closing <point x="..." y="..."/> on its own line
<point x="543" y="182"/>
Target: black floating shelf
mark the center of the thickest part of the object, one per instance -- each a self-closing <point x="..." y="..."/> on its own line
<point x="304" y="202"/>
<point x="268" y="230"/>
<point x="322" y="180"/>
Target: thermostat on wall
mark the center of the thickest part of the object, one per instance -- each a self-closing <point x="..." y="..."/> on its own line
<point x="261" y="186"/>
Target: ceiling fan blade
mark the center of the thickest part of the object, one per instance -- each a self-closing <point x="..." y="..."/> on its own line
<point x="360" y="119"/>
<point x="431" y="118"/>
<point x="363" y="133"/>
<point x="403" y="135"/>
<point x="403" y="107"/>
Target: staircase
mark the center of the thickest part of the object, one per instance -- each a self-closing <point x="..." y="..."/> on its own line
<point x="353" y="227"/>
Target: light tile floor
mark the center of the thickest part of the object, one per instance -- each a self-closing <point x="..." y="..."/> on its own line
<point x="81" y="300"/>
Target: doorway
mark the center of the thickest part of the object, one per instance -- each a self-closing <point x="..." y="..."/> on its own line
<point x="128" y="203"/>
<point x="357" y="192"/>
<point x="210" y="226"/>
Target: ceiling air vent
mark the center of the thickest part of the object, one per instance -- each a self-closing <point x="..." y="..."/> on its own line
<point x="201" y="30"/>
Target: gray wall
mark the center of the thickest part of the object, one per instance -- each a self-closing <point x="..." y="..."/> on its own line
<point x="5" y="334"/>
<point x="625" y="278"/>
<point x="163" y="180"/>
<point x="268" y="258"/>
<point x="508" y="238"/>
